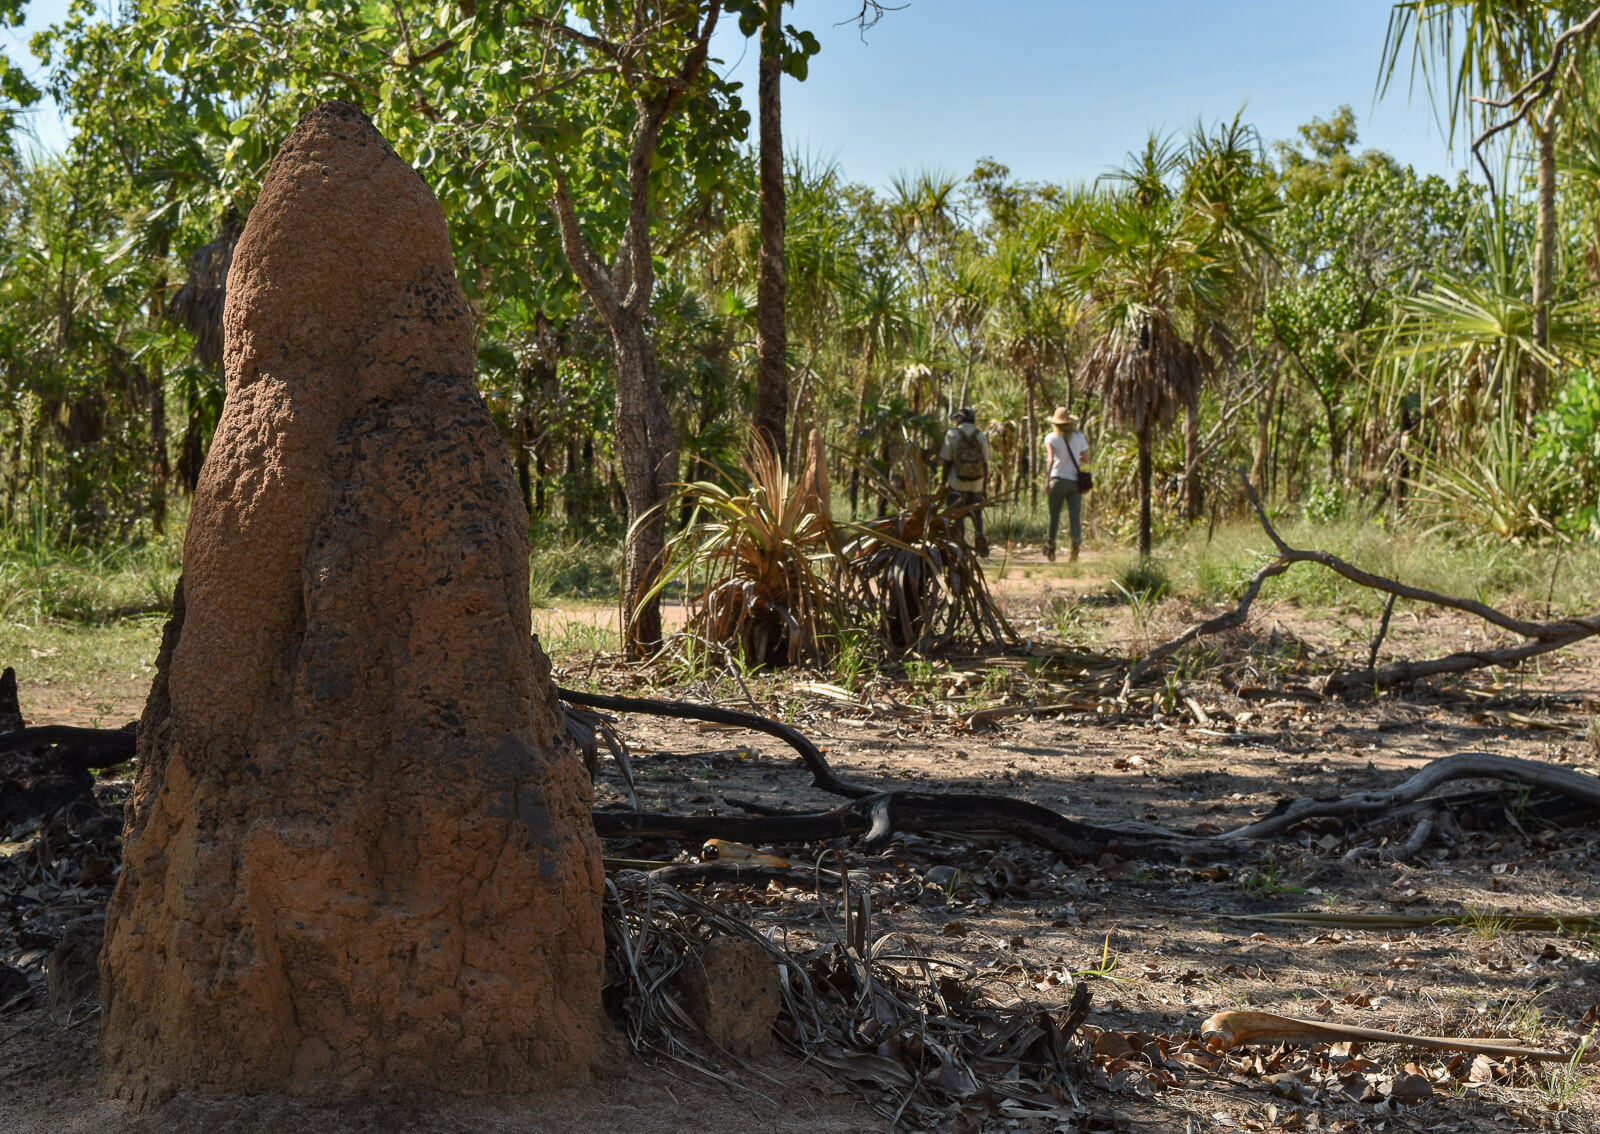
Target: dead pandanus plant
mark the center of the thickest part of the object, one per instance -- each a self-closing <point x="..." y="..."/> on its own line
<point x="912" y="572"/>
<point x="760" y="566"/>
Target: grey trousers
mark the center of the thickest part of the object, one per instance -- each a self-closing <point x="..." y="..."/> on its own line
<point x="1064" y="491"/>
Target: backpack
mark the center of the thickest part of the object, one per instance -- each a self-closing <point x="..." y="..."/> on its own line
<point x="967" y="456"/>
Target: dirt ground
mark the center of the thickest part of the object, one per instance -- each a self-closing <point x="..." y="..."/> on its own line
<point x="1165" y="941"/>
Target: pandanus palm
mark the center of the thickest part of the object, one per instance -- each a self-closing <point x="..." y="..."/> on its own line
<point x="1156" y="278"/>
<point x="1471" y="53"/>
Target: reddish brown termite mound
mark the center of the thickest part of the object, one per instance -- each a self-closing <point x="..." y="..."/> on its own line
<point x="358" y="857"/>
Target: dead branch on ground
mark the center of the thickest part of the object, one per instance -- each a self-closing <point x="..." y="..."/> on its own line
<point x="1253" y="1027"/>
<point x="877" y="816"/>
<point x="1461" y="766"/>
<point x="1544" y="637"/>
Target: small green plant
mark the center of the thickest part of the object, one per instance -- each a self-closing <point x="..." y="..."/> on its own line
<point x="1144" y="578"/>
<point x="1171" y="693"/>
<point x="996" y="682"/>
<point x="919" y="675"/>
<point x="1106" y="966"/>
<point x="1264" y="881"/>
<point x="1566" y="1081"/>
<point x="1485" y="924"/>
<point x="852" y="658"/>
<point x="1141" y="606"/>
<point x="1324" y="504"/>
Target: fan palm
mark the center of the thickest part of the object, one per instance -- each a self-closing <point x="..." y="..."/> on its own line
<point x="1156" y="278"/>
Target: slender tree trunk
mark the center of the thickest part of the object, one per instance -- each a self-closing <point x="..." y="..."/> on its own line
<point x="860" y="428"/>
<point x="1258" y="465"/>
<point x="620" y="293"/>
<point x="649" y="463"/>
<point x="1144" y="490"/>
<point x="160" y="466"/>
<point x="1026" y="464"/>
<point x="772" y="379"/>
<point x="1543" y="256"/>
<point x="1193" y="490"/>
<point x="524" y="471"/>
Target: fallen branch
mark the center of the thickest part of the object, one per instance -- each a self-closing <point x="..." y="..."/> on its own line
<point x="76" y="749"/>
<point x="1545" y="636"/>
<point x="1242" y="1027"/>
<point x="877" y="819"/>
<point x="1229" y="621"/>
<point x="1461" y="766"/>
<point x="1573" y="924"/>
<point x="822" y="775"/>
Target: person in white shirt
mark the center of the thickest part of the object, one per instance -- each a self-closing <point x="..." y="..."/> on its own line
<point x="965" y="457"/>
<point x="1067" y="449"/>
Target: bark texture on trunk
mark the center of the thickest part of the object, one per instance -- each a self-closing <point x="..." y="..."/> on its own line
<point x="1144" y="490"/>
<point x="1544" y="250"/>
<point x="772" y="376"/>
<point x="649" y="459"/>
<point x="620" y="293"/>
<point x="1258" y="464"/>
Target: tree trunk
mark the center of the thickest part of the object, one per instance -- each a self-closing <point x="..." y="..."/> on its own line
<point x="1025" y="464"/>
<point x="1144" y="490"/>
<point x="649" y="463"/>
<point x="524" y="473"/>
<point x="772" y="379"/>
<point x="160" y="466"/>
<point x="1193" y="490"/>
<point x="1543" y="257"/>
<point x="1258" y="465"/>
<point x="855" y="438"/>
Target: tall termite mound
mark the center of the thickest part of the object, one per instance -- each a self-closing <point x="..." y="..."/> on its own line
<point x="358" y="856"/>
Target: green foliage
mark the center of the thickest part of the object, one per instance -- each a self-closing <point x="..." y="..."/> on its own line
<point x="45" y="579"/>
<point x="1144" y="580"/>
<point x="760" y="567"/>
<point x="1501" y="489"/>
<point x="1567" y="437"/>
<point x="1349" y="328"/>
<point x="581" y="569"/>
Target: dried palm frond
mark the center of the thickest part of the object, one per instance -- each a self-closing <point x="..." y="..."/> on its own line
<point x="912" y="572"/>
<point x="760" y="566"/>
<point x="904" y="1029"/>
<point x="1145" y="371"/>
<point x="197" y="305"/>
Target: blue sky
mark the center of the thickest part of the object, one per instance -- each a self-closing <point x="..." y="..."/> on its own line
<point x="1059" y="90"/>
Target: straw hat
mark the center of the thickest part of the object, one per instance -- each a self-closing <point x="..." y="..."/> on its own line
<point x="1062" y="416"/>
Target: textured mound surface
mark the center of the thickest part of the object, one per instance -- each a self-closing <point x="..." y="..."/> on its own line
<point x="358" y="856"/>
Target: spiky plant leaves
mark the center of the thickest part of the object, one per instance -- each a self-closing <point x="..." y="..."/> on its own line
<point x="912" y="573"/>
<point x="760" y="567"/>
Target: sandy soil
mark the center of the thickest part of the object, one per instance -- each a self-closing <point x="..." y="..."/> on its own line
<point x="1169" y="938"/>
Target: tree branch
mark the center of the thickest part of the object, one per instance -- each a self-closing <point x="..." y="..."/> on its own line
<point x="1546" y="636"/>
<point x="586" y="265"/>
<point x="1524" y="97"/>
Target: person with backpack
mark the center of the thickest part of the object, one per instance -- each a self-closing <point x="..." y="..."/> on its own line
<point x="965" y="458"/>
<point x="1068" y="480"/>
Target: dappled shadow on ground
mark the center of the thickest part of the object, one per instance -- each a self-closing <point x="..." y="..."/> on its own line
<point x="1168" y="940"/>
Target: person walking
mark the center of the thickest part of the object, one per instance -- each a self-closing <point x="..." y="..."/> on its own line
<point x="965" y="458"/>
<point x="1067" y="450"/>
